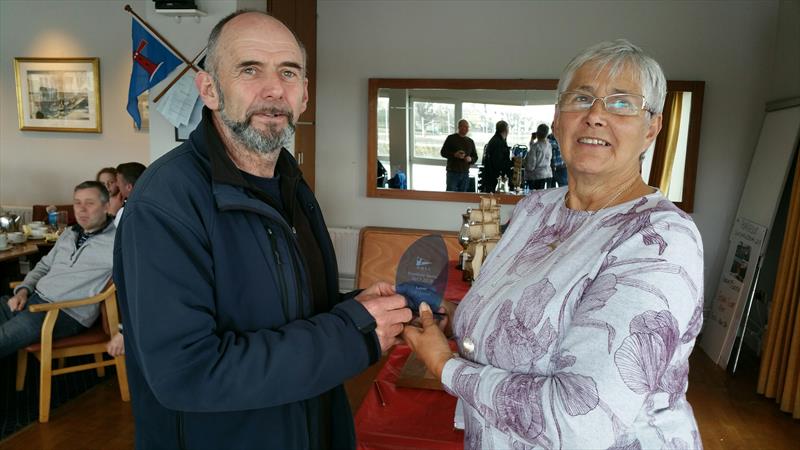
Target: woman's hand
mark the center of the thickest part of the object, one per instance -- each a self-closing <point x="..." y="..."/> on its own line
<point x="428" y="342"/>
<point x="449" y="309"/>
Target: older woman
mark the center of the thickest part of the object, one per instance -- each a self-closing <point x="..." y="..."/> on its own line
<point x="578" y="331"/>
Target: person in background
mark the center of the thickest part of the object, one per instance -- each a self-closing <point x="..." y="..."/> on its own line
<point x="496" y="158"/>
<point x="537" y="162"/>
<point x="127" y="175"/>
<point x="578" y="331"/>
<point x="459" y="149"/>
<point x="236" y="335"/>
<point x="108" y="176"/>
<point x="557" y="162"/>
<point x="78" y="266"/>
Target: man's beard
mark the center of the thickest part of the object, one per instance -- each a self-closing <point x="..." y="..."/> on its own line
<point x="263" y="142"/>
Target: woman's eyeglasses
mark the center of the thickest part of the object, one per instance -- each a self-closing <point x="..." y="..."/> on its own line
<point x="619" y="104"/>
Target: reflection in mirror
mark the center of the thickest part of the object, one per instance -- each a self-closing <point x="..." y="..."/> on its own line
<point x="410" y="120"/>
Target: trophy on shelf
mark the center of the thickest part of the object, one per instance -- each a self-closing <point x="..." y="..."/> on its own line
<point x="480" y="231"/>
<point x="502" y="184"/>
<point x="516" y="174"/>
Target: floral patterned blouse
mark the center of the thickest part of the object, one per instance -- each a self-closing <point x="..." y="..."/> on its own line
<point x="578" y="330"/>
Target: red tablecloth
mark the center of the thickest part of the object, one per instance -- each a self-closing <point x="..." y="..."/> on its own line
<point x="412" y="418"/>
<point x="456" y="288"/>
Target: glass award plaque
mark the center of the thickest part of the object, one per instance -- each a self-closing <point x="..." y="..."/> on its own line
<point x="422" y="272"/>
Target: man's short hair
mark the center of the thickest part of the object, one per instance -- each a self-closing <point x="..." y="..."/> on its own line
<point x="501" y="126"/>
<point x="542" y="130"/>
<point x="210" y="60"/>
<point x="91" y="184"/>
<point x="131" y="171"/>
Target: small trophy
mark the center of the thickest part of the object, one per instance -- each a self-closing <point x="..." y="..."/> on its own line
<point x="422" y="273"/>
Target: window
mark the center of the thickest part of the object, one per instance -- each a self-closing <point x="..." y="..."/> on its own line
<point x="383" y="128"/>
<point x="522" y="121"/>
<point x="433" y="122"/>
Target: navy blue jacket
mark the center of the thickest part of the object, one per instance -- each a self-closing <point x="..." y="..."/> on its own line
<point x="224" y="347"/>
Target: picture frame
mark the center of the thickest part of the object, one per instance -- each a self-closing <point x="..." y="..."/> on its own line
<point x="58" y="94"/>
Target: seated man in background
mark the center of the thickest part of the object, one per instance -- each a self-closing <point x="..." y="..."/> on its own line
<point x="127" y="174"/>
<point x="78" y="266"/>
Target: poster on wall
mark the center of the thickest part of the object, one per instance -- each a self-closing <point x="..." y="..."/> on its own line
<point x="733" y="290"/>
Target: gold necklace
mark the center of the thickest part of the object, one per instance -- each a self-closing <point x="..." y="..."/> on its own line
<point x="558" y="242"/>
<point x="610" y="201"/>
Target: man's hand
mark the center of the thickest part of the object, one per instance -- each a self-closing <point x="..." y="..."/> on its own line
<point x="116" y="346"/>
<point x="18" y="301"/>
<point x="428" y="342"/>
<point x="468" y="159"/>
<point x="460" y="154"/>
<point x="389" y="311"/>
<point x="379" y="289"/>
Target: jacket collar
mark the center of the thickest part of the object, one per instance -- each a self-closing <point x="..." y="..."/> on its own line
<point x="227" y="180"/>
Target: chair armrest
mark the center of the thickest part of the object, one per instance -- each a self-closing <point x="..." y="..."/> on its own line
<point x="41" y="307"/>
<point x="14" y="284"/>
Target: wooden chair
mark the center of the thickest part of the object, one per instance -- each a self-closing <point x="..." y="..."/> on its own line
<point x="40" y="213"/>
<point x="380" y="250"/>
<point x="379" y="253"/>
<point x="90" y="342"/>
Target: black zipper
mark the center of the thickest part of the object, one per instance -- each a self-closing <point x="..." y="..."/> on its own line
<point x="181" y="438"/>
<point x="284" y="291"/>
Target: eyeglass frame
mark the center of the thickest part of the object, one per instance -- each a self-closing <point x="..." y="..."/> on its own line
<point x="605" y="105"/>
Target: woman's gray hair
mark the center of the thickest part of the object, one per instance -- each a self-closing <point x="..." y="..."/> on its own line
<point x="616" y="56"/>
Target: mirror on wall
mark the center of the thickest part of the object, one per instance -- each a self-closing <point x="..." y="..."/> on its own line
<point x="410" y="119"/>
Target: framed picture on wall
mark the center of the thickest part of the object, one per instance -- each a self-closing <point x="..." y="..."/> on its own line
<point x="58" y="94"/>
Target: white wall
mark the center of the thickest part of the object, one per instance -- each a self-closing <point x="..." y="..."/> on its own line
<point x="728" y="44"/>
<point x="42" y="167"/>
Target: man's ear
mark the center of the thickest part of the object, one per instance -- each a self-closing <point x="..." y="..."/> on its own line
<point x="305" y="97"/>
<point x="207" y="89"/>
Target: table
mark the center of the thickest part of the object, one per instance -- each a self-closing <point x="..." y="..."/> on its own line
<point x="24" y="249"/>
<point x="405" y="418"/>
<point x="392" y="417"/>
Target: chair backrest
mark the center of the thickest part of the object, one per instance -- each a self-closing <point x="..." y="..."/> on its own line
<point x="380" y="250"/>
<point x="40" y="213"/>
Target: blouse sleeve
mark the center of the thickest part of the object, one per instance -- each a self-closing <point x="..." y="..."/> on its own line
<point x="618" y="350"/>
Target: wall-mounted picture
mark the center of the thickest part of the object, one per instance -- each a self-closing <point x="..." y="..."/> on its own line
<point x="58" y="94"/>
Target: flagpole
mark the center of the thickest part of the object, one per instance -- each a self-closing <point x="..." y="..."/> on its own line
<point x="178" y="77"/>
<point x="161" y="38"/>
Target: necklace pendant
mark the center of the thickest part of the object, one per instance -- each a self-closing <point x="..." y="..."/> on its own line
<point x="553" y="245"/>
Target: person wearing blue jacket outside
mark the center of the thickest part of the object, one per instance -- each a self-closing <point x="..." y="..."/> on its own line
<point x="236" y="334"/>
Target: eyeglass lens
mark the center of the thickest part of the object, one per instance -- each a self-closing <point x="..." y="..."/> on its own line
<point x="621" y="104"/>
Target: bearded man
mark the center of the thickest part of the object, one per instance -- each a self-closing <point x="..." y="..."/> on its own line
<point x="236" y="334"/>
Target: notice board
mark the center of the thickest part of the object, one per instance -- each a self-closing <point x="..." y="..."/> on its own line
<point x="766" y="178"/>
